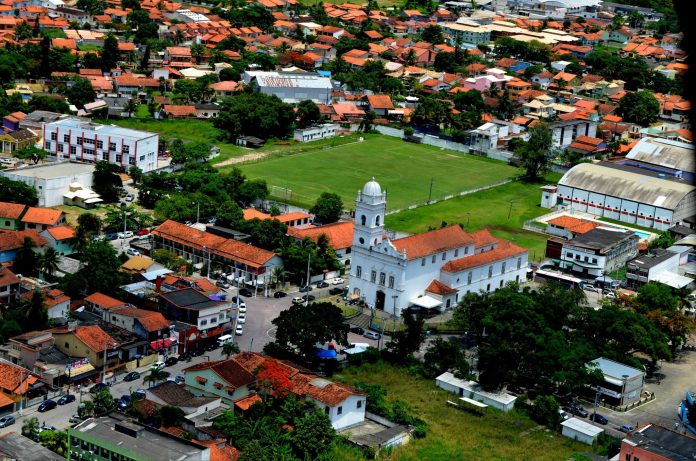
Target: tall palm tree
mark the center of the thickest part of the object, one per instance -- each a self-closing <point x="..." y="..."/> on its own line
<point x="154" y="377"/>
<point x="48" y="262"/>
<point x="30" y="428"/>
<point x="131" y="106"/>
<point x="230" y="348"/>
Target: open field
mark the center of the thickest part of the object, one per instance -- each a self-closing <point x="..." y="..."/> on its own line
<point x="485" y="209"/>
<point x="457" y="435"/>
<point x="405" y="170"/>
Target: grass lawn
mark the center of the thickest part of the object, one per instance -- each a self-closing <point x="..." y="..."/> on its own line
<point x="485" y="209"/>
<point x="142" y="111"/>
<point x="403" y="169"/>
<point x="457" y="435"/>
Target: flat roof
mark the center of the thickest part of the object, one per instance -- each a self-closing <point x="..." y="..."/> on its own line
<point x="582" y="427"/>
<point x="54" y="170"/>
<point x="652" y="259"/>
<point x="664" y="442"/>
<point x="616" y="369"/>
<point x="664" y="152"/>
<point x="16" y="446"/>
<point x="472" y="386"/>
<point x="600" y="238"/>
<point x="189" y="298"/>
<point x="104" y="130"/>
<point x="140" y="441"/>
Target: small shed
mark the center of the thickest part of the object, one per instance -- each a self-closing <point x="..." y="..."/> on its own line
<point x="473" y="390"/>
<point x="250" y="141"/>
<point x="579" y="430"/>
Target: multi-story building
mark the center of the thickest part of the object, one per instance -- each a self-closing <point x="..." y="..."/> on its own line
<point x="193" y="307"/>
<point x="648" y="267"/>
<point x="657" y="443"/>
<point x="84" y="141"/>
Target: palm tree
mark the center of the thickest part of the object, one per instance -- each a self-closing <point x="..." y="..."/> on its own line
<point x="25" y="262"/>
<point x="283" y="48"/>
<point x="230" y="348"/>
<point x="131" y="106"/>
<point x="410" y="57"/>
<point x="154" y="377"/>
<point x="48" y="261"/>
<point x="278" y="274"/>
<point x="30" y="428"/>
<point x="178" y="37"/>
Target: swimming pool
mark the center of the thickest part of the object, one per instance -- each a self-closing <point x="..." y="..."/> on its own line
<point x="642" y="235"/>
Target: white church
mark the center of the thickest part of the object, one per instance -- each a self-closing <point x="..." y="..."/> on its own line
<point x="430" y="270"/>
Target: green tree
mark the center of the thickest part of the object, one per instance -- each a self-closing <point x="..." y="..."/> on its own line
<point x="93" y="7"/>
<point x="407" y="341"/>
<point x="17" y="192"/>
<point x="269" y="234"/>
<point x="307" y="114"/>
<point x="81" y="92"/>
<point x="431" y="111"/>
<point x="641" y="107"/>
<point x="56" y="441"/>
<point x="444" y="355"/>
<point x="249" y="191"/>
<point x="30" y="428"/>
<point x="135" y="173"/>
<point x="154" y="376"/>
<point x="110" y="54"/>
<point x="106" y="181"/>
<point x="230" y="348"/>
<point x="89" y="223"/>
<point x="229" y="214"/>
<point x="433" y="34"/>
<point x="101" y="271"/>
<point x="255" y="114"/>
<point x="533" y="155"/>
<point x="86" y="409"/>
<point x="188" y="90"/>
<point x="189" y="152"/>
<point x="103" y="402"/>
<point x="26" y="260"/>
<point x="32" y="153"/>
<point x="170" y="416"/>
<point x="328" y="208"/>
<point x="314" y="435"/>
<point x="301" y="327"/>
<point x="48" y="262"/>
<point x="23" y="31"/>
<point x="544" y="410"/>
<point x="664" y="240"/>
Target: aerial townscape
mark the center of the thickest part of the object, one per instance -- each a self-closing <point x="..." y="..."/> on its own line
<point x="345" y="230"/>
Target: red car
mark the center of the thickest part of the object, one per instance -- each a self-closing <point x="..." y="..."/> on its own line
<point x="143" y="232"/>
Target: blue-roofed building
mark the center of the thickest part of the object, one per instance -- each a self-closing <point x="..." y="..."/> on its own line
<point x="622" y="385"/>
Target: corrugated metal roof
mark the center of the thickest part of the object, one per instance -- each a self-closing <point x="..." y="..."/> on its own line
<point x="664" y="152"/>
<point x="290" y="80"/>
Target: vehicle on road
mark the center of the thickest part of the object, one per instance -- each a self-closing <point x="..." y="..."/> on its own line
<point x="337" y="281"/>
<point x="171" y="361"/>
<point x="239" y="330"/>
<point x="237" y="301"/>
<point x="357" y="330"/>
<point x="130" y="197"/>
<point x="139" y="394"/>
<point x="241" y="318"/>
<point x="66" y="399"/>
<point x="589" y="287"/>
<point x="246" y="292"/>
<point x="7" y="420"/>
<point x="222" y="283"/>
<point x="124" y="402"/>
<point x="279" y="294"/>
<point x="336" y="291"/>
<point x="626" y="428"/>
<point x="224" y="339"/>
<point x="97" y="387"/>
<point x="125" y="235"/>
<point x="179" y="379"/>
<point x="309" y="298"/>
<point x="132" y="252"/>
<point x="297" y="300"/>
<point x="132" y="376"/>
<point x="144" y="231"/>
<point x="111" y="236"/>
<point x="576" y="410"/>
<point x="76" y="419"/>
<point x="371" y="335"/>
<point x="158" y="365"/>
<point x="47" y="405"/>
<point x="596" y="417"/>
<point x="305" y="288"/>
<point x="322" y="284"/>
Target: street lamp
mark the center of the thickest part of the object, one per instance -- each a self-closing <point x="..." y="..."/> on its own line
<point x="198" y="211"/>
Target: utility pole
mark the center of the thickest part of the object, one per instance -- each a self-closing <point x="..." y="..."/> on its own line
<point x="309" y="274"/>
<point x="510" y="210"/>
<point x="430" y="194"/>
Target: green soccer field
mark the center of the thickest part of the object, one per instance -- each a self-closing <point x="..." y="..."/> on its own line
<point x="405" y="170"/>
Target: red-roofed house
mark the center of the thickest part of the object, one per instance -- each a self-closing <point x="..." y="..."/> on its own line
<point x="429" y="270"/>
<point x="87" y="342"/>
<point x="569" y="226"/>
<point x="588" y="146"/>
<point x="149" y="325"/>
<point x="340" y="235"/>
<point x="102" y="304"/>
<point x="60" y="238"/>
<point x="9" y="284"/>
<point x="380" y="104"/>
<point x="11" y="215"/>
<point x="41" y="219"/>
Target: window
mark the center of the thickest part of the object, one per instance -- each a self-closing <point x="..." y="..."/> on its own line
<point x="66" y="138"/>
<point x="423" y="262"/>
<point x="339" y="411"/>
<point x="327" y="410"/>
<point x="131" y="160"/>
<point x="391" y="281"/>
<point x="373" y="276"/>
<point x="89" y="141"/>
<point x="466" y="250"/>
<point x="126" y="149"/>
<point x="377" y="221"/>
<point x="119" y="158"/>
<point x="48" y="145"/>
<point x="444" y="255"/>
<point x="468" y="278"/>
<point x="382" y="278"/>
<point x="501" y="284"/>
<point x="456" y="252"/>
<point x="359" y="404"/>
<point x="490" y="271"/>
<point x="594" y="260"/>
<point x="519" y="262"/>
<point x="112" y="146"/>
<point x="502" y="269"/>
<point x="433" y="259"/>
<point x="73" y="150"/>
<point x="204" y="323"/>
<point x="60" y="147"/>
<point x="105" y="156"/>
<point x="88" y="151"/>
<point x="100" y="144"/>
<point x="358" y="271"/>
<point x="142" y="158"/>
<point x="53" y="136"/>
<point x="363" y="220"/>
<point x="488" y="287"/>
<point x="569" y="254"/>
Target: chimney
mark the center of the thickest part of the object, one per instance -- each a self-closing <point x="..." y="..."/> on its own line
<point x="158" y="284"/>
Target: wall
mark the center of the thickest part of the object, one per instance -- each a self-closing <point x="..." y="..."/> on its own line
<point x="50" y="191"/>
<point x="350" y="414"/>
<point x="580" y="437"/>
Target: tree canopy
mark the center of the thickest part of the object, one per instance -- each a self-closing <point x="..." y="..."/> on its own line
<point x="533" y="155"/>
<point x="641" y="107"/>
<point x="255" y="114"/>
<point x="328" y="208"/>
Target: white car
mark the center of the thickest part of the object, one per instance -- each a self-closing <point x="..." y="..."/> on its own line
<point x="242" y="308"/>
<point x="125" y="235"/>
<point x="592" y="288"/>
<point x="338" y="281"/>
<point x="132" y="252"/>
<point x="239" y="330"/>
<point x="241" y="318"/>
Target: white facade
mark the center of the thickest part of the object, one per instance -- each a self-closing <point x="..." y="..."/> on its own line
<point x="347" y="413"/>
<point x="77" y="140"/>
<point x="52" y="180"/>
<point x="473" y="390"/>
<point x="393" y="274"/>
<point x="564" y="133"/>
<point x="579" y="430"/>
<point x="314" y="133"/>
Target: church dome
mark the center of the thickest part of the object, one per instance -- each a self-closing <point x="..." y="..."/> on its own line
<point x="372" y="188"/>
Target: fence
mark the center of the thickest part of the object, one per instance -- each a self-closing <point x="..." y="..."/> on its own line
<point x="534" y="226"/>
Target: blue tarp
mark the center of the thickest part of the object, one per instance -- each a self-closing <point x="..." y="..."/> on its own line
<point x="326" y="354"/>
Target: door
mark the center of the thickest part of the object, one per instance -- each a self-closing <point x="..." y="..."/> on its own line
<point x="379" y="301"/>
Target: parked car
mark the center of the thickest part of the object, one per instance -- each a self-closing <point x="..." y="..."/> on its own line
<point x="125" y="235"/>
<point x="139" y="394"/>
<point x="241" y="308"/>
<point x="132" y="252"/>
<point x="97" y="387"/>
<point x="239" y="330"/>
<point x="47" y="405"/>
<point x="111" y="236"/>
<point x="157" y="365"/>
<point x="322" y="284"/>
<point x="124" y="402"/>
<point x="66" y="399"/>
<point x="222" y="283"/>
<point x="336" y="291"/>
<point x="132" y="376"/>
<point x="7" y="420"/>
<point x="237" y="301"/>
<point x="578" y="411"/>
<point x="164" y="374"/>
<point x="357" y="330"/>
<point x="246" y="292"/>
<point x="371" y="335"/>
<point x="76" y="418"/>
<point x="596" y="417"/>
<point x="297" y="300"/>
<point x="179" y="379"/>
<point x="171" y="361"/>
<point x="279" y="294"/>
<point x="241" y="318"/>
<point x="130" y="197"/>
<point x="144" y="231"/>
<point x="337" y="281"/>
<point x="626" y="428"/>
<point x="305" y="288"/>
<point x="309" y="297"/>
<point x="589" y="287"/>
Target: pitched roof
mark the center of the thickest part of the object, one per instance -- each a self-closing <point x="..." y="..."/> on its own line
<point x="322" y="390"/>
<point x="45" y="216"/>
<point x="61" y="233"/>
<point x="574" y="225"/>
<point x="435" y="241"/>
<point x="340" y="234"/>
<point x="504" y="250"/>
<point x="11" y="210"/>
<point x="220" y="450"/>
<point x="439" y="288"/>
<point x="179" y="111"/>
<point x="7" y="277"/>
<point x="251" y="213"/>
<point x="380" y="101"/>
<point x="13" y="376"/>
<point x="11" y="240"/>
<point x="483" y="238"/>
<point x="93" y="337"/>
<point x="104" y="301"/>
<point x="150" y="320"/>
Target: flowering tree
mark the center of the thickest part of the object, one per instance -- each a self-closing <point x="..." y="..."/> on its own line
<point x="273" y="379"/>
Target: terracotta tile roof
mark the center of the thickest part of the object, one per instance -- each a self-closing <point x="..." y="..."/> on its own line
<point x="420" y="245"/>
<point x="179" y="51"/>
<point x="340" y="234"/>
<point x="103" y="301"/>
<point x="233" y="373"/>
<point x="220" y="450"/>
<point x="14" y="379"/>
<point x="11" y="210"/>
<point x="504" y="250"/>
<point x="45" y="216"/>
<point x="61" y="233"/>
<point x="322" y="390"/>
<point x="11" y="240"/>
<point x="93" y="337"/>
<point x="180" y="111"/>
<point x="574" y="225"/>
<point x="150" y="320"/>
<point x="380" y="101"/>
<point x="565" y="76"/>
<point x="7" y="277"/>
<point x="483" y="238"/>
<point x="226" y="85"/>
<point x="246" y="402"/>
<point x="251" y="213"/>
<point x="51" y="298"/>
<point x="439" y="288"/>
<point x="586" y="143"/>
<point x="295" y="215"/>
<point x="250" y="361"/>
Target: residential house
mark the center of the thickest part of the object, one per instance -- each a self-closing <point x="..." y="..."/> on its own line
<point x="206" y="110"/>
<point x="18" y="385"/>
<point x="101" y="304"/>
<point x="172" y="111"/>
<point x="210" y="317"/>
<point x="40" y="219"/>
<point x="178" y="56"/>
<point x="17" y="140"/>
<point x="170" y="393"/>
<point x="11" y="121"/>
<point x="380" y="104"/>
<point x="11" y="241"/>
<point x="56" y="302"/>
<point x="569" y="226"/>
<point x="649" y="267"/>
<point x="148" y="325"/>
<point x="588" y="146"/>
<point x="90" y="342"/>
<point x="9" y="286"/>
<point x="225" y="89"/>
<point x="567" y="129"/>
<point x="61" y="239"/>
<point x="11" y="215"/>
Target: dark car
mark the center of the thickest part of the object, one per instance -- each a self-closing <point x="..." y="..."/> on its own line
<point x="579" y="411"/>
<point x="211" y="347"/>
<point x="171" y="361"/>
<point x="124" y="402"/>
<point x="279" y="294"/>
<point x="322" y="284"/>
<point x="246" y="292"/>
<point x="66" y="399"/>
<point x="47" y="405"/>
<point x="357" y="330"/>
<point x="111" y="236"/>
<point x="305" y="288"/>
<point x="336" y="291"/>
<point x="164" y="374"/>
<point x="626" y="428"/>
<point x="132" y="376"/>
<point x="138" y="395"/>
<point x="309" y="297"/>
<point x="97" y="387"/>
<point x="596" y="417"/>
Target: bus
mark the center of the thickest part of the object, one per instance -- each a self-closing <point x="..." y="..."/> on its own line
<point x="567" y="281"/>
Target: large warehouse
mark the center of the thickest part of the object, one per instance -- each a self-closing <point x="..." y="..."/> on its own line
<point x="624" y="193"/>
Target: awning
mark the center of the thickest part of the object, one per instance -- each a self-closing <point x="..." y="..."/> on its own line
<point x="426" y="302"/>
<point x="77" y="371"/>
<point x="162" y="344"/>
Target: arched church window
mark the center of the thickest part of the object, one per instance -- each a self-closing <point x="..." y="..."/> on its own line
<point x="363" y="220"/>
<point x="377" y="220"/>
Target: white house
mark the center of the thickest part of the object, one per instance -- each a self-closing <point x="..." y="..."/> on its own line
<point x="314" y="133"/>
<point x="579" y="430"/>
<point x="473" y="390"/>
<point x="84" y="141"/>
<point x="426" y="270"/>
